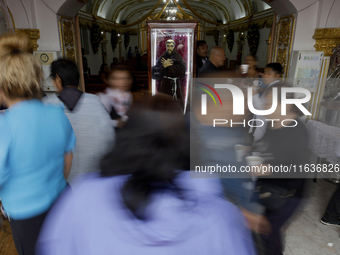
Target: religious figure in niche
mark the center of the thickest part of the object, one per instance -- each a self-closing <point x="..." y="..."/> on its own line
<point x="170" y="68"/>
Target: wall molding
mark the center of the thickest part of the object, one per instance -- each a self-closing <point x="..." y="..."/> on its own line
<point x="284" y="42"/>
<point x="326" y="39"/>
<point x="67" y="38"/>
<point x="32" y="34"/>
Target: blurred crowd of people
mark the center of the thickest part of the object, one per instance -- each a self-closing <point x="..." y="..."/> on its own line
<point x="101" y="174"/>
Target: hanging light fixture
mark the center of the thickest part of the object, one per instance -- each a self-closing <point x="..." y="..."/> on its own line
<point x="171" y="10"/>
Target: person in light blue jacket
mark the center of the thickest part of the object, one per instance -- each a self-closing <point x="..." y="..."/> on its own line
<point x="142" y="202"/>
<point x="37" y="141"/>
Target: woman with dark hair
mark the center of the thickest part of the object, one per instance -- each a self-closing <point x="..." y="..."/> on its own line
<point x="201" y="54"/>
<point x="103" y="73"/>
<point x="143" y="202"/>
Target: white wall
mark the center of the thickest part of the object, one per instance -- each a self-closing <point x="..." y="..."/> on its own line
<point x="210" y="41"/>
<point x="42" y="15"/>
<point x="263" y="47"/>
<point x="22" y="13"/>
<point x="262" y="5"/>
<point x="47" y="23"/>
<point x="332" y="18"/>
<point x="301" y="4"/>
<point x="35" y="14"/>
<point x="325" y="7"/>
<point x="232" y="55"/>
<point x="305" y="28"/>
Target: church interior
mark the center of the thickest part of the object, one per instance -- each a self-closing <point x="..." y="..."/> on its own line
<point x="99" y="34"/>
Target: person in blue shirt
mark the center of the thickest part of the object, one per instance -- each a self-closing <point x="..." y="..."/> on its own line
<point x="37" y="141"/>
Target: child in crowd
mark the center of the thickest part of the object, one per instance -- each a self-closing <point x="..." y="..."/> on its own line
<point x="118" y="98"/>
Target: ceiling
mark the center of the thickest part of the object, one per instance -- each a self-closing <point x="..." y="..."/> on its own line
<point x="222" y="11"/>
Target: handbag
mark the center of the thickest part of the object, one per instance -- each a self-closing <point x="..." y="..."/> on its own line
<point x="273" y="197"/>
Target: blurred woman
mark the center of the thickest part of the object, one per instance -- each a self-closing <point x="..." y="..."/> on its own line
<point x="282" y="145"/>
<point x="143" y="202"/>
<point x="37" y="141"/>
<point x="103" y="73"/>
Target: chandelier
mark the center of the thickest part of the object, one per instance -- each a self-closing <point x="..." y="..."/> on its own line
<point x="170" y="10"/>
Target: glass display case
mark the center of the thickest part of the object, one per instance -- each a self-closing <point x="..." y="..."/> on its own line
<point x="171" y="48"/>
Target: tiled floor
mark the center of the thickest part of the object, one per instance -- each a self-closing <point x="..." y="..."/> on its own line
<point x="6" y="241"/>
<point x="305" y="234"/>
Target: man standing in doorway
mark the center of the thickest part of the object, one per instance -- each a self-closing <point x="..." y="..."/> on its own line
<point x="215" y="61"/>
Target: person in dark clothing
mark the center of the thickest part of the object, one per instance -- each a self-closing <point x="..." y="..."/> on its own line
<point x="216" y="60"/>
<point x="103" y="73"/>
<point x="332" y="214"/>
<point x="114" y="63"/>
<point x="201" y="55"/>
<point x="170" y="67"/>
<point x="281" y="146"/>
<point x="65" y="76"/>
<point x="130" y="53"/>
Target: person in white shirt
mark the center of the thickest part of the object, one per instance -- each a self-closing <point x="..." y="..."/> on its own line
<point x="117" y="99"/>
<point x="271" y="75"/>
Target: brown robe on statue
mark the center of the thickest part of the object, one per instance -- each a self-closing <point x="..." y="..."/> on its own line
<point x="171" y="75"/>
